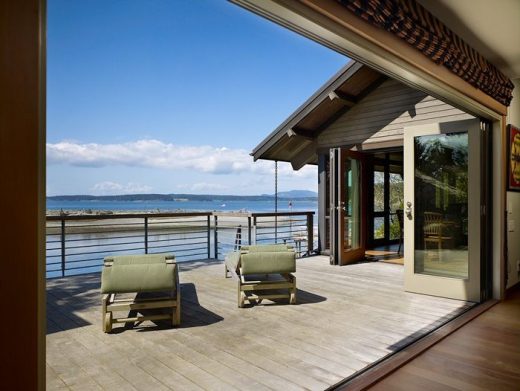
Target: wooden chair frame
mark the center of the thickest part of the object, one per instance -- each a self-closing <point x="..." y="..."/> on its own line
<point x="248" y="289"/>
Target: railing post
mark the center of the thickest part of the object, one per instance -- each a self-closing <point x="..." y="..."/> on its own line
<point x="209" y="236"/>
<point x="254" y="226"/>
<point x="249" y="230"/>
<point x="146" y="235"/>
<point x="310" y="233"/>
<point x="63" y="247"/>
<point x="215" y="237"/>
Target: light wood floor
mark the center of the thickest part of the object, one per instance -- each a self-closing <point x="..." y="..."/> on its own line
<point x="482" y="355"/>
<point x="347" y="317"/>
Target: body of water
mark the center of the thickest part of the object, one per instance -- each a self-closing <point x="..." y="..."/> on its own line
<point x="191" y="206"/>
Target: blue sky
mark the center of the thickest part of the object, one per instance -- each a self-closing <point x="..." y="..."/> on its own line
<point x="171" y="96"/>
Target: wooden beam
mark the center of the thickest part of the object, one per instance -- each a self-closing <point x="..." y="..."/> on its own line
<point x="294" y="132"/>
<point x="305" y="156"/>
<point x="345" y="99"/>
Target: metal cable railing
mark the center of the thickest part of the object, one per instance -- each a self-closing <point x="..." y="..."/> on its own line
<point x="77" y="244"/>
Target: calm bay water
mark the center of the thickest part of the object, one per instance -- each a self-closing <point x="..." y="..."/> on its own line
<point x="172" y="206"/>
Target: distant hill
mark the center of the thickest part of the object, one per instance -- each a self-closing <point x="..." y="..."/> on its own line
<point x="293" y="194"/>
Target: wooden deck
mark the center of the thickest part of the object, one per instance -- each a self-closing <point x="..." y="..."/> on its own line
<point x="482" y="355"/>
<point x="347" y="317"/>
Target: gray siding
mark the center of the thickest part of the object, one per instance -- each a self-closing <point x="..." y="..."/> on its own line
<point x="383" y="114"/>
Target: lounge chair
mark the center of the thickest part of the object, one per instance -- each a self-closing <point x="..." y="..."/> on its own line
<point x="150" y="275"/>
<point x="263" y="268"/>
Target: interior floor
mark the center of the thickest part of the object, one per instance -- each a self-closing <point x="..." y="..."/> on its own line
<point x="388" y="254"/>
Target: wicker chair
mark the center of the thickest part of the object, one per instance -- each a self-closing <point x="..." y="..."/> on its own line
<point x="437" y="232"/>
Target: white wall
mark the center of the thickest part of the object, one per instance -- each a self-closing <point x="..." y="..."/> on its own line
<point x="513" y="200"/>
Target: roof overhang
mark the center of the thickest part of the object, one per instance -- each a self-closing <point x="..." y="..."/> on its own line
<point x="295" y="139"/>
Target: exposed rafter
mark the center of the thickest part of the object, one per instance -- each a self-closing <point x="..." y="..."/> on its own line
<point x="306" y="155"/>
<point x="294" y="132"/>
<point x="347" y="100"/>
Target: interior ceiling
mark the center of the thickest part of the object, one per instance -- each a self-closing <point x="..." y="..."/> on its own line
<point x="492" y="27"/>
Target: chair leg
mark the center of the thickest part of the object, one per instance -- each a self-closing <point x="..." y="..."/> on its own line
<point x="292" y="299"/>
<point x="176" y="319"/>
<point x="106" y="318"/>
<point x="241" y="296"/>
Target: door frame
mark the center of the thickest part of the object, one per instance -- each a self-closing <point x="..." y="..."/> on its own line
<point x="338" y="157"/>
<point x="462" y="289"/>
<point x="386" y="162"/>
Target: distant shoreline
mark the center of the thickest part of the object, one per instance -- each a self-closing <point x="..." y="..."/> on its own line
<point x="293" y="195"/>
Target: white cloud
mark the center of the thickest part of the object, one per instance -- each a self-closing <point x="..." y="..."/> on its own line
<point x="114" y="188"/>
<point x="157" y="154"/>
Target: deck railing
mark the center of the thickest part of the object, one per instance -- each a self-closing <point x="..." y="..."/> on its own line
<point x="78" y="243"/>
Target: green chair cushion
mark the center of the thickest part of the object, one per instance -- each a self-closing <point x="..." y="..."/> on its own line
<point x="143" y="273"/>
<point x="265" y="262"/>
<point x="266" y="247"/>
<point x="139" y="258"/>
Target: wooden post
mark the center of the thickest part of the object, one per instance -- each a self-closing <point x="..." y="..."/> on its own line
<point x="310" y="232"/>
<point x="63" y="247"/>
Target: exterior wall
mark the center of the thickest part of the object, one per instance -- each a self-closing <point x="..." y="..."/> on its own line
<point x="513" y="202"/>
<point x="383" y="114"/>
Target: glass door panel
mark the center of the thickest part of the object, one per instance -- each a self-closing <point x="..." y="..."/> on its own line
<point x="442" y="209"/>
<point x="441" y="205"/>
<point x="396" y="200"/>
<point x="352" y="205"/>
<point x="347" y="207"/>
<point x="379" y="191"/>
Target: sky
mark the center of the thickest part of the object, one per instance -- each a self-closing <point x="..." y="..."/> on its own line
<point x="170" y="96"/>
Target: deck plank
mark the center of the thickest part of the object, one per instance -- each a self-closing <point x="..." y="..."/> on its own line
<point x="347" y="317"/>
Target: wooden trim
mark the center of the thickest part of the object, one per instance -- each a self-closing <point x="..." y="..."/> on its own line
<point x="379" y="370"/>
<point x="22" y="173"/>
<point x="349" y="256"/>
<point x="42" y="195"/>
<point x="400" y="49"/>
<point x="503" y="202"/>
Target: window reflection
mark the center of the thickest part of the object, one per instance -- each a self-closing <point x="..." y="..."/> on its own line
<point x="441" y="205"/>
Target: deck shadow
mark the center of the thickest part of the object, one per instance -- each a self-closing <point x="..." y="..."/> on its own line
<point x="192" y="314"/>
<point x="302" y="298"/>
